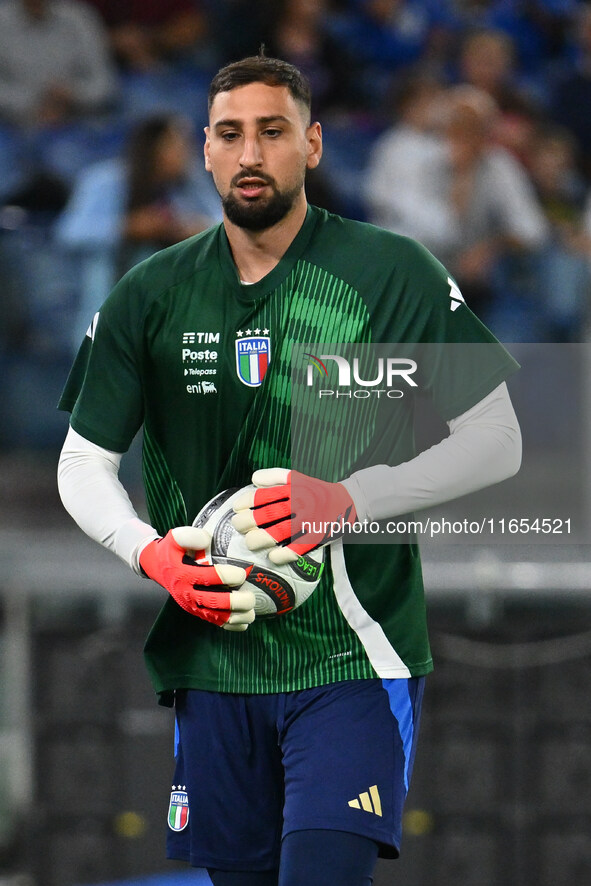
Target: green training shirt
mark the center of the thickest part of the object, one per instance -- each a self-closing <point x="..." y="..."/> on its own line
<point x="205" y="364"/>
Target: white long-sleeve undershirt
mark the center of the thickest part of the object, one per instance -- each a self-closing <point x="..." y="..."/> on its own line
<point x="483" y="447"/>
<point x="91" y="492"/>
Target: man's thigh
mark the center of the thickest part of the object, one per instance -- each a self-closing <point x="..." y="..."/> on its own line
<point x="254" y="768"/>
<point x="348" y="750"/>
<point x="229" y="765"/>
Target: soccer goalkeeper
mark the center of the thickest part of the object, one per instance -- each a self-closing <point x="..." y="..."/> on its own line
<point x="296" y="735"/>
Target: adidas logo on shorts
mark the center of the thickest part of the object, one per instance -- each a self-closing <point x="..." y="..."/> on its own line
<point x="368" y="801"/>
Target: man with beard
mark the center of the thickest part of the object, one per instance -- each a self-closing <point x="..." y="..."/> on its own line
<point x="296" y="734"/>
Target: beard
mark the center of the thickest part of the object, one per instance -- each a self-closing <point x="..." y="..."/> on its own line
<point x="260" y="213"/>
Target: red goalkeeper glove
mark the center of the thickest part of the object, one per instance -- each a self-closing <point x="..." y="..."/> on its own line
<point x="201" y="589"/>
<point x="292" y="513"/>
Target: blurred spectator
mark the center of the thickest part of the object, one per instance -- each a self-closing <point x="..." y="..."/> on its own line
<point x="571" y="98"/>
<point x="147" y="33"/>
<point x="494" y="210"/>
<point x="123" y="210"/>
<point x="564" y="278"/>
<point x="558" y="182"/>
<point x="301" y="35"/>
<point x="388" y="33"/>
<point x="487" y="61"/>
<point x="538" y="30"/>
<point x="400" y="186"/>
<point x="473" y="205"/>
<point x="54" y="62"/>
<point x="384" y="36"/>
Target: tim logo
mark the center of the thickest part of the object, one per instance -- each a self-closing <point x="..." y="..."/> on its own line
<point x="200" y="338"/>
<point x="253" y="355"/>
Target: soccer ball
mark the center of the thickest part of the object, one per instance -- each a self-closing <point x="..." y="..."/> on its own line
<point x="277" y="589"/>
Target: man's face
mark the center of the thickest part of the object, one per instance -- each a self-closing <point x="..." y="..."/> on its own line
<point x="258" y="147"/>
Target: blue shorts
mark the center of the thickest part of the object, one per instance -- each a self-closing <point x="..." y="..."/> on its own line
<point x="252" y="768"/>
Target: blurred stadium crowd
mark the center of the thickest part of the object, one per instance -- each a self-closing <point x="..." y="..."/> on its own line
<point x="463" y="123"/>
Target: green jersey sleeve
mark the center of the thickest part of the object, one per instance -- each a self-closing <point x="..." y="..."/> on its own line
<point x="104" y="391"/>
<point x="459" y="360"/>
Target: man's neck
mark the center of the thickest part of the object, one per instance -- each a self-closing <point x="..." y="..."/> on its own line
<point x="256" y="253"/>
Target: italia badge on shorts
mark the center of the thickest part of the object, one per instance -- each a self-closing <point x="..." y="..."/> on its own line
<point x="253" y="355"/>
<point x="178" y="809"/>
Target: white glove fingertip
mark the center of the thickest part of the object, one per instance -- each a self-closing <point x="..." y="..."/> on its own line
<point x="280" y="555"/>
<point x="246" y="500"/>
<point x="242" y="601"/>
<point x="235" y="628"/>
<point x="259" y="540"/>
<point x="230" y="575"/>
<point x="271" y="477"/>
<point x="242" y="618"/>
<point x="190" y="538"/>
<point x="244" y="521"/>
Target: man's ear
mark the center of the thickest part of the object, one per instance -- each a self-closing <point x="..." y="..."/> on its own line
<point x="206" y="150"/>
<point x="314" y="137"/>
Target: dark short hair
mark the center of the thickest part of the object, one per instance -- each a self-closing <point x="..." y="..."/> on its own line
<point x="260" y="69"/>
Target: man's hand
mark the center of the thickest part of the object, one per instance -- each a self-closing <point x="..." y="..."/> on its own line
<point x="292" y="513"/>
<point x="201" y="589"/>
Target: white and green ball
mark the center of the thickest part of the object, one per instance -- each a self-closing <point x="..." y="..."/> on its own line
<point x="277" y="589"/>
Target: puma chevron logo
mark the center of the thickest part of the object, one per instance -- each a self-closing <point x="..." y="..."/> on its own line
<point x="369" y="801"/>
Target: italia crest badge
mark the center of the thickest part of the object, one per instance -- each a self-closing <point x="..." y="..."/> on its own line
<point x="253" y="355"/>
<point x="178" y="809"/>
